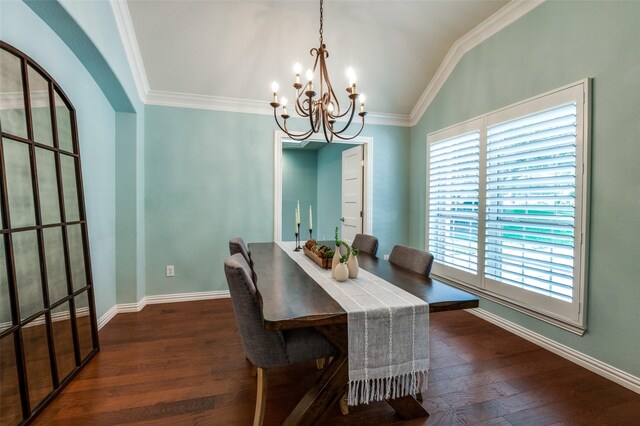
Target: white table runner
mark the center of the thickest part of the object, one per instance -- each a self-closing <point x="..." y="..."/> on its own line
<point x="388" y="332"/>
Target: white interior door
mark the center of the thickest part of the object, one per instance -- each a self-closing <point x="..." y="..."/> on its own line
<point x="352" y="182"/>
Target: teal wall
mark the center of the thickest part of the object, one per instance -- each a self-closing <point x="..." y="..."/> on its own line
<point x="90" y="28"/>
<point x="330" y="189"/>
<point x="556" y="44"/>
<point x="299" y="183"/>
<point x="22" y="28"/>
<point x="209" y="177"/>
<point x="390" y="192"/>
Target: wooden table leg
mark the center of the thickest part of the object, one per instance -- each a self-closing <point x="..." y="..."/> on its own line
<point x="329" y="387"/>
<point x="333" y="383"/>
<point x="407" y="407"/>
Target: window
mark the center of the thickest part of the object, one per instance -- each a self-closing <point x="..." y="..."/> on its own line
<point x="507" y="197"/>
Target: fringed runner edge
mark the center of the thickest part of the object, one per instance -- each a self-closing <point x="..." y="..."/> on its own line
<point x="366" y="391"/>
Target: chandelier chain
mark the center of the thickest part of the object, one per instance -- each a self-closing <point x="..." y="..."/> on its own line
<point x="321" y="19"/>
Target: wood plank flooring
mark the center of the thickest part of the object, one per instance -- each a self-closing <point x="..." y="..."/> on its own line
<point x="183" y="364"/>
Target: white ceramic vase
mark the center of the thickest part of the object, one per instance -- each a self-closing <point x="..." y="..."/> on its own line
<point x="335" y="262"/>
<point x="341" y="272"/>
<point x="352" y="265"/>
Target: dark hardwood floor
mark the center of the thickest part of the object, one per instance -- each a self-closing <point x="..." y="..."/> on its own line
<point x="183" y="364"/>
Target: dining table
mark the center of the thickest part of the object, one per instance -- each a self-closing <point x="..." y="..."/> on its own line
<point x="290" y="299"/>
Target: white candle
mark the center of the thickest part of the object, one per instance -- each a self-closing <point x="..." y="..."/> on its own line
<point x="298" y="213"/>
<point x="295" y="224"/>
<point x="310" y="218"/>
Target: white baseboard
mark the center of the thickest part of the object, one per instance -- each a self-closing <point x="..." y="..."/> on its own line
<point x="108" y="316"/>
<point x="186" y="297"/>
<point x="603" y="369"/>
<point x="160" y="298"/>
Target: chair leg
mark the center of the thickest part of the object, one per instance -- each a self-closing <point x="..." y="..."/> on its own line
<point x="344" y="407"/>
<point x="320" y="363"/>
<point x="261" y="397"/>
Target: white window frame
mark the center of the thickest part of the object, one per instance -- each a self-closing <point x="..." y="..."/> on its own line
<point x="569" y="316"/>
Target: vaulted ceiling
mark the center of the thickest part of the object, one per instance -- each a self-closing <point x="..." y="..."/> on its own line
<point x="234" y="49"/>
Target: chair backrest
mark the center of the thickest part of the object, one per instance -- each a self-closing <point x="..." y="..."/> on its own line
<point x="237" y="245"/>
<point x="413" y="259"/>
<point x="264" y="348"/>
<point x="366" y="243"/>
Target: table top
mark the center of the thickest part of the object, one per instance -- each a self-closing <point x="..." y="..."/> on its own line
<point x="292" y="299"/>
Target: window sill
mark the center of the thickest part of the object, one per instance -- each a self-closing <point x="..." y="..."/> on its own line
<point x="501" y="301"/>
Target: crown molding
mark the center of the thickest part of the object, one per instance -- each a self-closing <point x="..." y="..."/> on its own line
<point x="218" y="103"/>
<point x="504" y="17"/>
<point x="131" y="47"/>
<point x="508" y="14"/>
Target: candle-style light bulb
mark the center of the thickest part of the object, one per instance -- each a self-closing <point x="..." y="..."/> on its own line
<point x="275" y="86"/>
<point x="351" y="75"/>
<point x="330" y="108"/>
<point x="362" y="98"/>
<point x="297" y="69"/>
<point x="309" y="76"/>
<point x="284" y="101"/>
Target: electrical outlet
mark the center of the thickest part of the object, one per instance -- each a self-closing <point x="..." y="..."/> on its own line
<point x="386" y="257"/>
<point x="170" y="271"/>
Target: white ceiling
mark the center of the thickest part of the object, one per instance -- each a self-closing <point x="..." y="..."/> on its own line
<point x="234" y="49"/>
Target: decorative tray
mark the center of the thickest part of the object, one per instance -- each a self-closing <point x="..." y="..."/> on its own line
<point x="323" y="263"/>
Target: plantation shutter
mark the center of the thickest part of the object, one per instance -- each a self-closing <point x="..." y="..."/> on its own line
<point x="530" y="202"/>
<point x="454" y="175"/>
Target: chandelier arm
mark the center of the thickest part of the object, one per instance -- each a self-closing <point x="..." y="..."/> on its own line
<point x="319" y="121"/>
<point x="352" y="104"/>
<point x="353" y="111"/>
<point x="328" y="137"/>
<point x="326" y="124"/>
<point x="299" y="108"/>
<point x="348" y="138"/>
<point x="324" y="75"/>
<point x="294" y="136"/>
<point x="313" y="125"/>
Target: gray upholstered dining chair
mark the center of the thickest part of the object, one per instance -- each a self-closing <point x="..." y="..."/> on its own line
<point x="366" y="243"/>
<point x="237" y="245"/>
<point x="266" y="349"/>
<point x="412" y="259"/>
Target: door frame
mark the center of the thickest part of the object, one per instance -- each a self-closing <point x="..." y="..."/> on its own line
<point x="367" y="202"/>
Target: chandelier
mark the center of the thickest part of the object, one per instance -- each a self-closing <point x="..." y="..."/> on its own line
<point x="323" y="111"/>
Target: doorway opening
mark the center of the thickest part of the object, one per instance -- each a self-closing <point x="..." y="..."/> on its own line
<point x="311" y="172"/>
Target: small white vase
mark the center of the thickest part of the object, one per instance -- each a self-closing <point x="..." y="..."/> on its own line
<point x="335" y="262"/>
<point x="352" y="265"/>
<point x="341" y="272"/>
